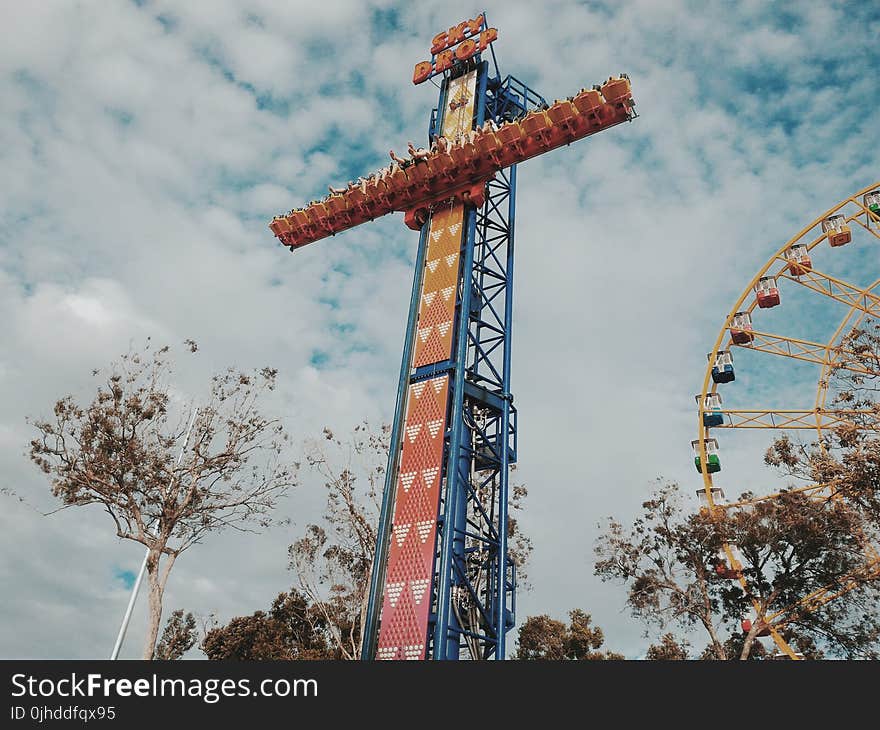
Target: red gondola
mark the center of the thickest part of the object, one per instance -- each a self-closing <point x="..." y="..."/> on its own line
<point x="741" y="328"/>
<point x="799" y="261"/>
<point x="763" y="628"/>
<point x="767" y="292"/>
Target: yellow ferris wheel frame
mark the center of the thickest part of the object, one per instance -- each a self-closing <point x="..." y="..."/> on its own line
<point x="861" y="302"/>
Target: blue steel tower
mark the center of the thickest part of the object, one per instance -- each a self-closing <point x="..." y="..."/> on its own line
<point x="443" y="582"/>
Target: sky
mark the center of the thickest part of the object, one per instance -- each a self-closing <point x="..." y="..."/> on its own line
<point x="145" y="146"/>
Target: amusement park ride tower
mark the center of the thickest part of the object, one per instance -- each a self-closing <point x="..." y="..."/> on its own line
<point x="442" y="579"/>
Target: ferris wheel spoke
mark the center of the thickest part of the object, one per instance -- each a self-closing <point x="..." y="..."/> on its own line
<point x="805" y="350"/>
<point x="872" y="226"/>
<point x="811" y="490"/>
<point x="826" y="594"/>
<point x="792" y="419"/>
<point x="838" y="290"/>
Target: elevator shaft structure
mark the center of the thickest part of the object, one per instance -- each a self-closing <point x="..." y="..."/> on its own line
<point x="443" y="580"/>
<point x="447" y="577"/>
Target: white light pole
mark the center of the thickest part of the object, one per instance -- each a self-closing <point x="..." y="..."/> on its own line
<point x="137" y="584"/>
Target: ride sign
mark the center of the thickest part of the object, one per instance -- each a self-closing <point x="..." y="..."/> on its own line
<point x="458" y="43"/>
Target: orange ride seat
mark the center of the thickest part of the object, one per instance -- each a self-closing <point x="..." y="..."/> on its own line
<point x="488" y="144"/>
<point x="280" y="226"/>
<point x="563" y="114"/>
<point x="336" y="204"/>
<point x="615" y="90"/>
<point x="298" y="220"/>
<point x="588" y="101"/>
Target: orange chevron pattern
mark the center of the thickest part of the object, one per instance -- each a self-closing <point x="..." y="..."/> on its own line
<point x="439" y="287"/>
<point x="407" y="596"/>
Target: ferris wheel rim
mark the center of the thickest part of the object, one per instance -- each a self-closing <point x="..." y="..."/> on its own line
<point x="703" y="430"/>
<point x="777" y="256"/>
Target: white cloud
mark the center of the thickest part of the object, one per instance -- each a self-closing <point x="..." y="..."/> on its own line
<point x="138" y="182"/>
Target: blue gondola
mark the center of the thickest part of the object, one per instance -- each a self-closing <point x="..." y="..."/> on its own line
<point x="712" y="415"/>
<point x="722" y="370"/>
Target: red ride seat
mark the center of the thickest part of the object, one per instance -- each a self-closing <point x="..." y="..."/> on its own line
<point x="511" y="136"/>
<point x="475" y="161"/>
<point x="418" y="175"/>
<point x="280" y="226"/>
<point x="298" y="220"/>
<point x="396" y="183"/>
<point x="337" y="210"/>
<point x="321" y="217"/>
<point x="376" y="195"/>
<point x="510" y="133"/>
<point x="309" y="226"/>
<point x="446" y="168"/>
<point x="355" y="198"/>
<point x="488" y="145"/>
<point x="435" y="165"/>
<point x="536" y="125"/>
<point x="336" y="204"/>
<point x="563" y="114"/>
<point x="459" y="156"/>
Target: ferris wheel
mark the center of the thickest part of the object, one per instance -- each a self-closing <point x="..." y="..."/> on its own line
<point x="753" y="331"/>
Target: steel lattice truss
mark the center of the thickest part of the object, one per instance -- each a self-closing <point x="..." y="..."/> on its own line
<point x="443" y="582"/>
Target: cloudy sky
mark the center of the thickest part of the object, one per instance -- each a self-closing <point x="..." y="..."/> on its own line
<point x="144" y="146"/>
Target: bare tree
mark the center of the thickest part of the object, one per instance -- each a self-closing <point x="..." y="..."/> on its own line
<point x="333" y="560"/>
<point x="665" y="559"/>
<point x="332" y="563"/>
<point x="121" y="452"/>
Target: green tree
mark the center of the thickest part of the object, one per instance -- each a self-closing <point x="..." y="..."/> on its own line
<point x="290" y="629"/>
<point x="791" y="549"/>
<point x="669" y="649"/>
<point x="795" y="547"/>
<point x="178" y="637"/>
<point x="544" y="638"/>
